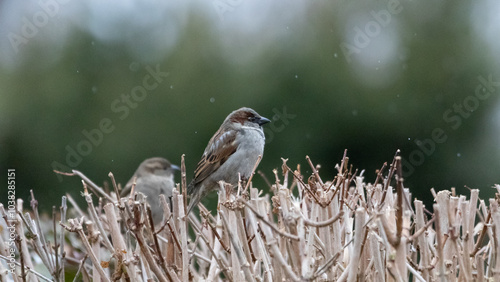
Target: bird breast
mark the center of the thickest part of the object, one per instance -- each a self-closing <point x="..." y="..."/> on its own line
<point x="250" y="145"/>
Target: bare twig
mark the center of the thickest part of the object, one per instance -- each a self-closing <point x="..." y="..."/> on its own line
<point x="253" y="173"/>
<point x="262" y="218"/>
<point x="323" y="223"/>
<point x="88" y="181"/>
<point x="341" y="229"/>
<point x="63" y="210"/>
<point x="75" y="225"/>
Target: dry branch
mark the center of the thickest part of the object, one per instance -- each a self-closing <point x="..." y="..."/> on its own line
<point x="343" y="229"/>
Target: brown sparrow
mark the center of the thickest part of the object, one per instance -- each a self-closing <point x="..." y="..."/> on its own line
<point x="233" y="149"/>
<point x="154" y="176"/>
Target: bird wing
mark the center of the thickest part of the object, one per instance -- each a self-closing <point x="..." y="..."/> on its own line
<point x="219" y="149"/>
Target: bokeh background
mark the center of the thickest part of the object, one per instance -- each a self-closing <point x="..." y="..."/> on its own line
<point x="368" y="76"/>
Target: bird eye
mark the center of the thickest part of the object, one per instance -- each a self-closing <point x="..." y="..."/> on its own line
<point x="252" y="119"/>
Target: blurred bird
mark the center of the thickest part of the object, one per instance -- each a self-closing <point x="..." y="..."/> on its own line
<point x="233" y="149"/>
<point x="154" y="176"/>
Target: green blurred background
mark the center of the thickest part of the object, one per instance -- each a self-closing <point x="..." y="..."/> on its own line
<point x="368" y="76"/>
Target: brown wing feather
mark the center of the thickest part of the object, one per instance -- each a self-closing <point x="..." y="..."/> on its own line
<point x="215" y="155"/>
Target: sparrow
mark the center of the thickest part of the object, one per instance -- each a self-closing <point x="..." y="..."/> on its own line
<point x="233" y="149"/>
<point x="154" y="176"/>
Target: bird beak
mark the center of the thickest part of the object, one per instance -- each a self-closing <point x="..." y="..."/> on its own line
<point x="263" y="121"/>
<point x="174" y="167"/>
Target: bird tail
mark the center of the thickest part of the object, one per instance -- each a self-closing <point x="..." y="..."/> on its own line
<point x="195" y="199"/>
<point x="190" y="188"/>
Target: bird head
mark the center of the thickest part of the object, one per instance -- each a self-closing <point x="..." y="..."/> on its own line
<point x="156" y="166"/>
<point x="246" y="117"/>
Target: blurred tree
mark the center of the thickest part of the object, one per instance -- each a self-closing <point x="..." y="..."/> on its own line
<point x="414" y="70"/>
